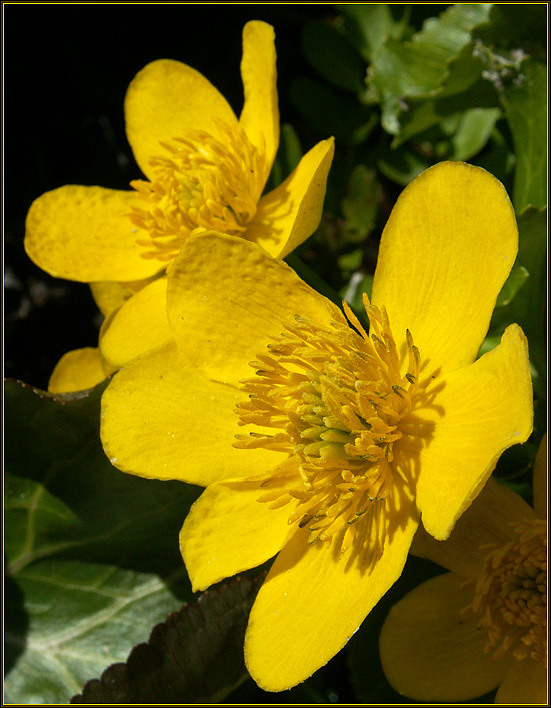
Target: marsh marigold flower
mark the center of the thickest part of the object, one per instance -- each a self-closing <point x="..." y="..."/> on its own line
<point x="483" y="625"/>
<point x="206" y="170"/>
<point x="318" y="442"/>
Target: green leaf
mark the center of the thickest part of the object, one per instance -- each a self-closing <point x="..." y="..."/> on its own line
<point x="360" y="205"/>
<point x="79" y="617"/>
<point x="426" y="113"/>
<point x="402" y="166"/>
<point x="358" y="284"/>
<point x="289" y="154"/>
<point x="369" y="25"/>
<point x="527" y="305"/>
<point x="329" y="112"/>
<point x="350" y="261"/>
<point x="497" y="156"/>
<point x="85" y="545"/>
<point x="525" y="106"/>
<point x="332" y="55"/>
<point x="418" y="68"/>
<point x="473" y="132"/>
<point x="515" y="25"/>
<point x="110" y="516"/>
<point x="517" y="278"/>
<point x="196" y="656"/>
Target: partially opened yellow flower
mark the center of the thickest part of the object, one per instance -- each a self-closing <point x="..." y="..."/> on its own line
<point x="483" y="625"/>
<point x="81" y="369"/>
<point x="317" y="442"/>
<point x="206" y="170"/>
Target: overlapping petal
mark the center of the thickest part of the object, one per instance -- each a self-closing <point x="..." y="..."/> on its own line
<point x="227" y="299"/>
<point x="290" y="213"/>
<point x="109" y="296"/>
<point x="446" y="250"/>
<point x="260" y="115"/>
<point x="163" y="101"/>
<point x="162" y="419"/>
<point x="480" y="524"/>
<point x="431" y="652"/>
<point x="228" y="530"/>
<point x="140" y="324"/>
<point x="83" y="234"/>
<point x="79" y="370"/>
<point x="313" y="601"/>
<point x="525" y="683"/>
<point x="481" y="410"/>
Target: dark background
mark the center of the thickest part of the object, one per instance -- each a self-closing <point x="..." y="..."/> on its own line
<point x="67" y="68"/>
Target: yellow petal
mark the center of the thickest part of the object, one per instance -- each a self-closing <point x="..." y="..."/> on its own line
<point x="109" y="296"/>
<point x="79" y="370"/>
<point x="313" y="601"/>
<point x="164" y="100"/>
<point x="431" y="652"/>
<point x="291" y="213"/>
<point x="479" y="412"/>
<point x="540" y="479"/>
<point x="139" y="325"/>
<point x="162" y="419"/>
<point x="487" y="520"/>
<point x="228" y="530"/>
<point x="525" y="683"/>
<point x="227" y="298"/>
<point x="83" y="233"/>
<point x="260" y="115"/>
<point x="446" y="250"/>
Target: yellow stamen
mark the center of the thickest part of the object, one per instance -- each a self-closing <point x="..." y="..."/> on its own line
<point x="202" y="183"/>
<point x="511" y="594"/>
<point x="335" y="397"/>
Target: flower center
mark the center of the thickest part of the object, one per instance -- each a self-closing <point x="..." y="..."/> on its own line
<point x="511" y="594"/>
<point x="334" y="397"/>
<point x="205" y="183"/>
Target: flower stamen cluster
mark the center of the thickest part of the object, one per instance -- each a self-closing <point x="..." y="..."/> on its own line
<point x="335" y="397"/>
<point x="511" y="594"/>
<point x="205" y="183"/>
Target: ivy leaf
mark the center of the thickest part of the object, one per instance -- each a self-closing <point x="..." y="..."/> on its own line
<point x="67" y="620"/>
<point x="101" y="514"/>
<point x="85" y="547"/>
<point x="195" y="656"/>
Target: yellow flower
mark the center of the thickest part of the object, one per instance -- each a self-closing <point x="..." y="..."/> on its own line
<point x="206" y="170"/>
<point x="81" y="369"/>
<point x="343" y="439"/>
<point x="78" y="370"/>
<point x="452" y="640"/>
